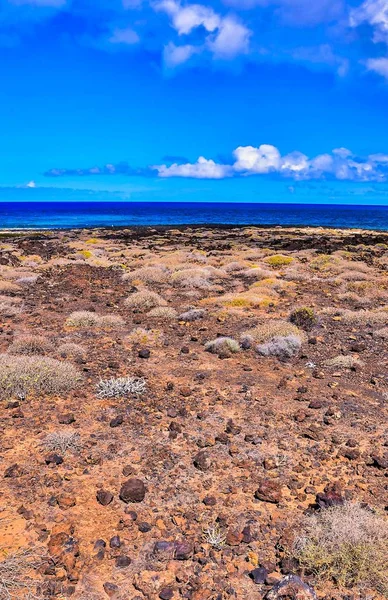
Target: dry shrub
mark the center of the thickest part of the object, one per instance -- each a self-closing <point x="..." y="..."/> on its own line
<point x="8" y="286"/>
<point x="197" y="277"/>
<point x="163" y="312"/>
<point x="85" y="318"/>
<point x="273" y="328"/>
<point x="71" y="350"/>
<point x="257" y="273"/>
<point x="30" y="344"/>
<point x="144" y="337"/>
<point x="381" y="333"/>
<point x="110" y="322"/>
<point x="347" y="544"/>
<point x="344" y="362"/>
<point x="365" y="317"/>
<point x="118" y="387"/>
<point x="158" y="274"/>
<point x="10" y="307"/>
<point x="82" y="318"/>
<point x="355" y="276"/>
<point x="144" y="301"/>
<point x="234" y="267"/>
<point x="222" y="345"/>
<point x="15" y="575"/>
<point x="22" y="375"/>
<point x="61" y="441"/>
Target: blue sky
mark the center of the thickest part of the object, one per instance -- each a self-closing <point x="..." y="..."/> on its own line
<point x="251" y="100"/>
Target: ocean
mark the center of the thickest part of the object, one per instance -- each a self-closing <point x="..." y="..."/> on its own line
<point x="65" y="215"/>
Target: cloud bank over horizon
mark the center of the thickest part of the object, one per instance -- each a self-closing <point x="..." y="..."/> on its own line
<point x="341" y="164"/>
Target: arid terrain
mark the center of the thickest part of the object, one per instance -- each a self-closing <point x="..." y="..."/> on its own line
<point x="194" y="413"/>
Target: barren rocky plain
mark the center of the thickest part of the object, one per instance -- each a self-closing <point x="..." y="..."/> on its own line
<point x="194" y="413"/>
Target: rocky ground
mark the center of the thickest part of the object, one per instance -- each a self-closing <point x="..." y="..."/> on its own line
<point x="195" y="485"/>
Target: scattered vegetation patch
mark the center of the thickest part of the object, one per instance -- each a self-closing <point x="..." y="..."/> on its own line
<point x="30" y="344"/>
<point x="222" y="345"/>
<point x="347" y="544"/>
<point x="144" y="301"/>
<point x="23" y="375"/>
<point x="281" y="347"/>
<point x="118" y="387"/>
<point x="144" y="337"/>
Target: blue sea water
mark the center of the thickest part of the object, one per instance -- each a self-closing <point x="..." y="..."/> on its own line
<point x="64" y="215"/>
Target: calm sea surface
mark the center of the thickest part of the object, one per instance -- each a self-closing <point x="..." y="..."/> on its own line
<point x="56" y="215"/>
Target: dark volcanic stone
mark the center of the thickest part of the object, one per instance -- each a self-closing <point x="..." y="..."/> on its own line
<point x="115" y="542"/>
<point x="104" y="497"/>
<point x="259" y="575"/>
<point x="13" y="471"/>
<point x="166" y="593"/>
<point x="53" y="459"/>
<point x="144" y="527"/>
<point x="202" y="461"/>
<point x="332" y="496"/>
<point x="110" y="589"/>
<point x="132" y="490"/>
<point x="183" y="550"/>
<point x="66" y="419"/>
<point x="210" y="501"/>
<point x="144" y="353"/>
<point x="116" y="421"/>
<point x="123" y="561"/>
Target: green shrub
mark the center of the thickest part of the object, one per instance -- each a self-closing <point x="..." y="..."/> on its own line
<point x="304" y="317"/>
<point x="278" y="260"/>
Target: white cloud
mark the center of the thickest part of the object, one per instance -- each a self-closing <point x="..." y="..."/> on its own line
<point x="124" y="36"/>
<point x="187" y="18"/>
<point x="263" y="159"/>
<point x="31" y="184"/>
<point x="295" y="162"/>
<point x="379" y="158"/>
<point x="225" y="37"/>
<point x="266" y="159"/>
<point x="378" y="65"/>
<point x="232" y="39"/>
<point x="374" y="12"/>
<point x="177" y="55"/>
<point x="202" y="169"/>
